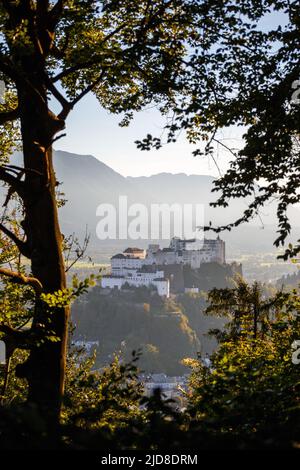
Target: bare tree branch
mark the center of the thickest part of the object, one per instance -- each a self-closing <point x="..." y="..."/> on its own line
<point x="76" y="248"/>
<point x="9" y="331"/>
<point x="19" y="278"/>
<point x="60" y="136"/>
<point x="56" y="93"/>
<point x="9" y="116"/>
<point x="225" y="147"/>
<point x="63" y="115"/>
<point x="22" y="246"/>
<point x="55" y="13"/>
<point x="74" y="68"/>
<point x="13" y="181"/>
<point x="19" y="169"/>
<point x="14" y="338"/>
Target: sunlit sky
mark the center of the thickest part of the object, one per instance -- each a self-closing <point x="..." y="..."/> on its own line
<point x="93" y="131"/>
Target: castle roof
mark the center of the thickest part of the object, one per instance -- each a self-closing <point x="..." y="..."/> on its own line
<point x="133" y="250"/>
<point x="184" y="240"/>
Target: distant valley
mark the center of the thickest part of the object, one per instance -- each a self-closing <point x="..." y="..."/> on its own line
<point x="88" y="182"/>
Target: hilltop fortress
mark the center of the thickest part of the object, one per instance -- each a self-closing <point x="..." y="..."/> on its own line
<point x="138" y="267"/>
<point x="188" y="252"/>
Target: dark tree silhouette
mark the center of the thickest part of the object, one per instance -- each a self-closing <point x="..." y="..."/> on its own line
<point x="186" y="57"/>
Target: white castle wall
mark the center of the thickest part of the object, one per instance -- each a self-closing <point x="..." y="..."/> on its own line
<point x="137" y="279"/>
<point x="127" y="267"/>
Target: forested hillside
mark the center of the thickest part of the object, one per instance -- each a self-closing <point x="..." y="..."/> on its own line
<point x="166" y="331"/>
<point x="134" y="319"/>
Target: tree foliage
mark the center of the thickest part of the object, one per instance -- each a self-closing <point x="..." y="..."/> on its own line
<point x="129" y="54"/>
<point x="249" y="395"/>
<point x="206" y="65"/>
<point x="245" y="72"/>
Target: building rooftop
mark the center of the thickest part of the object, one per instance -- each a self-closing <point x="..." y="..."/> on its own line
<point x="186" y="240"/>
<point x="119" y="255"/>
<point x="133" y="250"/>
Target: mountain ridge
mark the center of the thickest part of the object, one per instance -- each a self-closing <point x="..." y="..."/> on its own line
<point x="88" y="182"/>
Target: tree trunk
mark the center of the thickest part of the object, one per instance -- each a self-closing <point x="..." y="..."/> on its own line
<point x="45" y="368"/>
<point x="255" y="319"/>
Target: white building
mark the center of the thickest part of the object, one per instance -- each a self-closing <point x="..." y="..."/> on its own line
<point x="214" y="250"/>
<point x="138" y="268"/>
<point x="139" y="278"/>
<point x="178" y="244"/>
<point x="121" y="264"/>
<point x="189" y="252"/>
<point x="161" y="256"/>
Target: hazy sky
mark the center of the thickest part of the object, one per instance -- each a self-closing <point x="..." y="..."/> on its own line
<point x="91" y="130"/>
